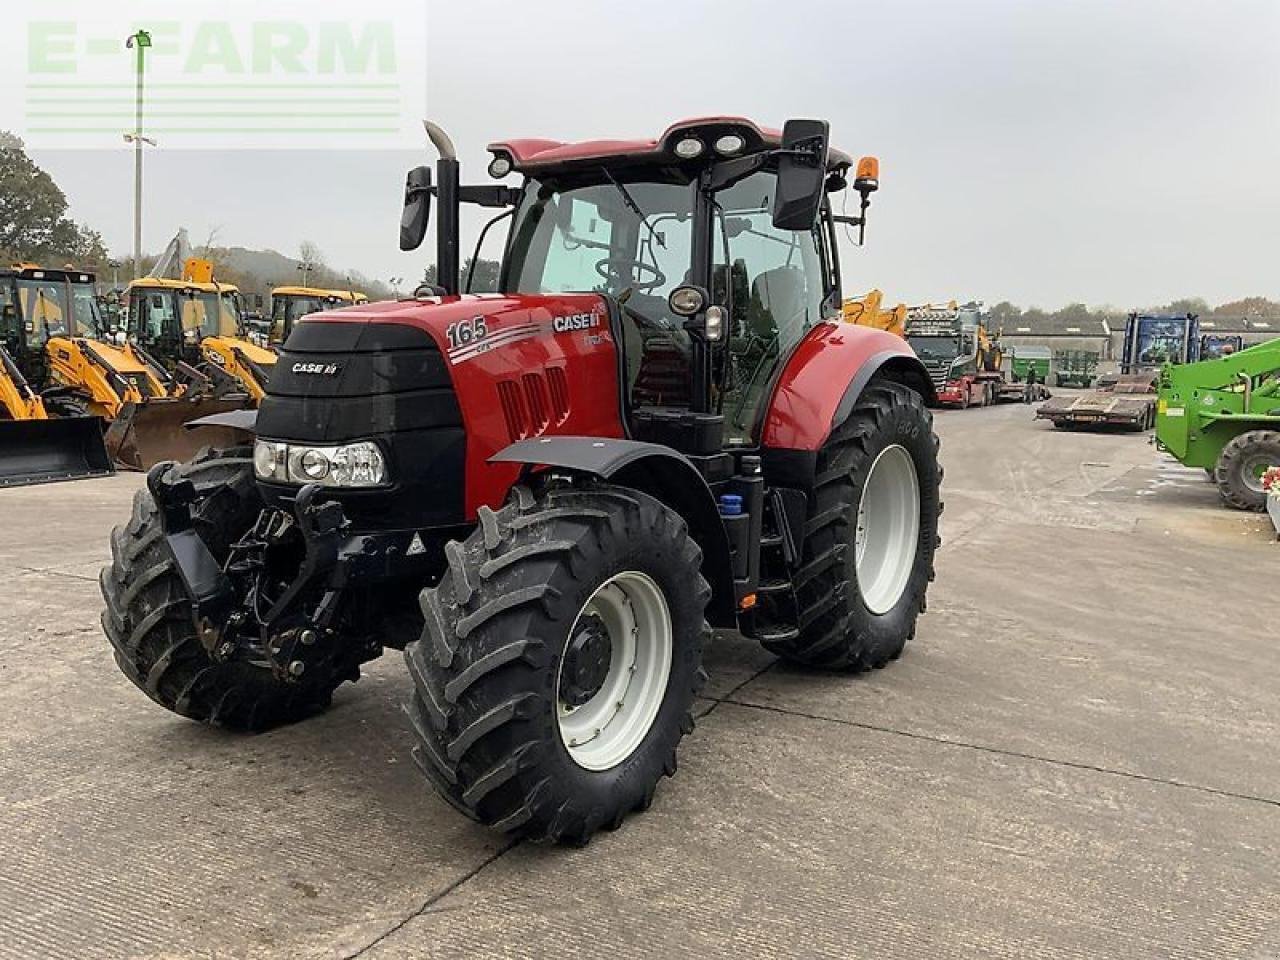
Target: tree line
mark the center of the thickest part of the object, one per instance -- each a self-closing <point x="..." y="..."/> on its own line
<point x="1006" y="314"/>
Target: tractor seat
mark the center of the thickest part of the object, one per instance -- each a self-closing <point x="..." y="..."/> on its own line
<point x="777" y="297"/>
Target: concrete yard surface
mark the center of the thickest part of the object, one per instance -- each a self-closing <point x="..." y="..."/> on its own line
<point x="1075" y="757"/>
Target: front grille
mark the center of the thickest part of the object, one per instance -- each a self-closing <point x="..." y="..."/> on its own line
<point x="335" y="382"/>
<point x="938" y="372"/>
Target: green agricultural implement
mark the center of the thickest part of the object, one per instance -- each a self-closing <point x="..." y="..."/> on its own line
<point x="1224" y="416"/>
<point x="1031" y="364"/>
<point x="1074" y="368"/>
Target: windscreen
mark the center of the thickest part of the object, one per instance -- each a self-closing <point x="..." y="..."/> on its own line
<point x="935" y="347"/>
<point x="44" y="308"/>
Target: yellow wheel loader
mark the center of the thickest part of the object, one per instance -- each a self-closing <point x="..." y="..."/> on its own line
<point x="290" y="304"/>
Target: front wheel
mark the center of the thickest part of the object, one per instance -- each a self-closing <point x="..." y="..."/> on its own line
<point x="559" y="661"/>
<point x="148" y="610"/>
<point x="1241" y="466"/>
<point x="870" y="536"/>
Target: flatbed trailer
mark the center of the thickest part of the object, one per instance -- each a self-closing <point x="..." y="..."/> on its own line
<point x="1130" y="403"/>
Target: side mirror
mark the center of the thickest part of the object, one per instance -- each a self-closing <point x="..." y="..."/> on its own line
<point x="417" y="208"/>
<point x="802" y="174"/>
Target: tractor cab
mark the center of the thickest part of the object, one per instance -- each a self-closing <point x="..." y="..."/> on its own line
<point x="1151" y="341"/>
<point x="713" y="247"/>
<point x="290" y="304"/>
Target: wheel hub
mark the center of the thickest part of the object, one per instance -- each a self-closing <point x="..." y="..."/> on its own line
<point x="586" y="661"/>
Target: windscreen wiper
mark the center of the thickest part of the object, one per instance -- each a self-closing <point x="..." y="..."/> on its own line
<point x="635" y="208"/>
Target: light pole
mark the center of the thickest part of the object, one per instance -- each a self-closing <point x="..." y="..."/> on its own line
<point x="306" y="268"/>
<point x="139" y="41"/>
<point x="395" y="286"/>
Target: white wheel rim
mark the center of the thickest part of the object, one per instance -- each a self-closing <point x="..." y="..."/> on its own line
<point x="1253" y="469"/>
<point x="604" y="731"/>
<point x="888" y="529"/>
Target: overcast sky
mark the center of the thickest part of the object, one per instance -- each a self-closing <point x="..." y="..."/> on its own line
<point x="1042" y="151"/>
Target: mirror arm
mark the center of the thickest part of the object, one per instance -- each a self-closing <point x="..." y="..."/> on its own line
<point x="490" y="195"/>
<point x="728" y="172"/>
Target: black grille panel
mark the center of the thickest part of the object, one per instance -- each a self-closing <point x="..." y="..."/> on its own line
<point x="336" y="382"/>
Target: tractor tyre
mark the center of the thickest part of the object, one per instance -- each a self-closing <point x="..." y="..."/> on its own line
<point x="148" y="616"/>
<point x="870" y="536"/>
<point x="1240" y="466"/>
<point x="559" y="661"/>
<point x="66" y="405"/>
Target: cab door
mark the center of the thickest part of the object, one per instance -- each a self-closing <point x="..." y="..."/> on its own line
<point x="779" y="283"/>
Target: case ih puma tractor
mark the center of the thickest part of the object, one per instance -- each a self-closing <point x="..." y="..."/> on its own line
<point x="547" y="497"/>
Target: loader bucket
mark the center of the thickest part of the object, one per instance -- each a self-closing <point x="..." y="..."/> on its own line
<point x="145" y="434"/>
<point x="42" y="451"/>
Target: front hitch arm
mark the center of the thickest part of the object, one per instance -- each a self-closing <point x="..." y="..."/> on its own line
<point x="321" y="528"/>
<point x="210" y="591"/>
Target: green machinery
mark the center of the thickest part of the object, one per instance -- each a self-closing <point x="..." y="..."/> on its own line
<point x="1224" y="415"/>
<point x="1031" y="364"/>
<point x="1074" y="368"/>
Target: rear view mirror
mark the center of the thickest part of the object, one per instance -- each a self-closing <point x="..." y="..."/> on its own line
<point x="417" y="208"/>
<point x="802" y="173"/>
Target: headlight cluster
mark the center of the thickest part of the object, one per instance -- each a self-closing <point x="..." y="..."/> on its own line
<point x="359" y="464"/>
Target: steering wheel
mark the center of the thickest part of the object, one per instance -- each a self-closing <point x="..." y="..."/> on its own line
<point x="616" y="271"/>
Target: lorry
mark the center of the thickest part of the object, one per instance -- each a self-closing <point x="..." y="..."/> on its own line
<point x="1127" y="399"/>
<point x="966" y="364"/>
<point x="494" y="486"/>
<point x="1223" y="415"/>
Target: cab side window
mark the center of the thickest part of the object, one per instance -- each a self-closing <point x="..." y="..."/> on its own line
<point x="777" y="278"/>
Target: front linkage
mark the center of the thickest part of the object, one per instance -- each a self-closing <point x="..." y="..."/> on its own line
<point x="249" y="602"/>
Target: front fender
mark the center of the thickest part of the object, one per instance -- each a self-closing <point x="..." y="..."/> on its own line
<point x="660" y="472"/>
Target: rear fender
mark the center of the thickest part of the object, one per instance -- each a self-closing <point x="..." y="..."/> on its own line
<point x="819" y="386"/>
<point x="658" y="471"/>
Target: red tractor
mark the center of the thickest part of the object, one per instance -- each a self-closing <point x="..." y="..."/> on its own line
<point x="549" y="496"/>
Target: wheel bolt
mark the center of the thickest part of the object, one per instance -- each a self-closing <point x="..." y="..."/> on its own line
<point x="308" y="637"/>
<point x="296" y="668"/>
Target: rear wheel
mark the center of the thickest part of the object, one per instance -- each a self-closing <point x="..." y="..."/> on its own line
<point x="870" y="536"/>
<point x="66" y="405"/>
<point x="1241" y="465"/>
<point x="559" y="661"/>
<point x="148" y="614"/>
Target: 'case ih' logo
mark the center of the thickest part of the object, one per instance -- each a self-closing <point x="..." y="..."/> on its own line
<point x="575" y="321"/>
<point x="317" y="369"/>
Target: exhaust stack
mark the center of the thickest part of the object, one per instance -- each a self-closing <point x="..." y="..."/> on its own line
<point x="447" y="265"/>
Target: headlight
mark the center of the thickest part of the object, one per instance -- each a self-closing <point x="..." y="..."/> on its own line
<point x="689" y="147"/>
<point x="359" y="464"/>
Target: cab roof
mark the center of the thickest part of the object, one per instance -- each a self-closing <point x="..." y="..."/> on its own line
<point x="29" y="271"/>
<point x="165" y="283"/>
<point x="349" y="295"/>
<point x="550" y="156"/>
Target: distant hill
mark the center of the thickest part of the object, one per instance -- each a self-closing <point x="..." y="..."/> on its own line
<point x="258" y="271"/>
